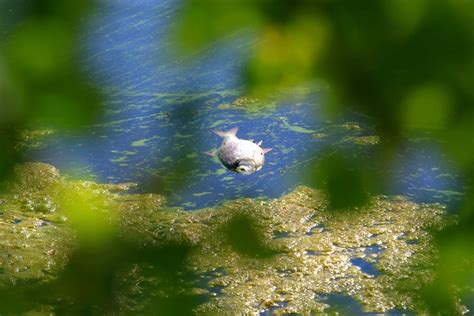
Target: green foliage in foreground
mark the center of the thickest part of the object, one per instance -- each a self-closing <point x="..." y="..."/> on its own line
<point x="40" y="81"/>
<point x="407" y="64"/>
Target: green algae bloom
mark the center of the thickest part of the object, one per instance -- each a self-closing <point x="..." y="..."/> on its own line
<point x="295" y="128"/>
<point x="34" y="138"/>
<point x="362" y="140"/>
<point x="283" y="254"/>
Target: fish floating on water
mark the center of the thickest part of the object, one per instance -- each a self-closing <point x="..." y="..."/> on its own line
<point x="240" y="155"/>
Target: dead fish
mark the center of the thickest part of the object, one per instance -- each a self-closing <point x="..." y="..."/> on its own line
<point x="240" y="155"/>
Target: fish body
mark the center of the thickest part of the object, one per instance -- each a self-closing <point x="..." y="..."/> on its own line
<point x="240" y="155"/>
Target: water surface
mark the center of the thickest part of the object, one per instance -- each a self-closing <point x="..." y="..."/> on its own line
<point x="161" y="109"/>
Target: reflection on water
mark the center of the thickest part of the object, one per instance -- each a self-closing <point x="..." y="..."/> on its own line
<point x="161" y="111"/>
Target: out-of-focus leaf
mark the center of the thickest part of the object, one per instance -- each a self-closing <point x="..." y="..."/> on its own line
<point x="286" y="58"/>
<point x="428" y="108"/>
<point x="345" y="181"/>
<point x="90" y="214"/>
<point x="40" y="49"/>
<point x="459" y="142"/>
<point x="10" y="155"/>
<point x="406" y="15"/>
<point x="245" y="236"/>
<point x="41" y="85"/>
<point x="222" y="18"/>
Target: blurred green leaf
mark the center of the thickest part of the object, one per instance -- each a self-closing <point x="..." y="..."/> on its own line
<point x="406" y="15"/>
<point x="40" y="49"/>
<point x="41" y="85"/>
<point x="222" y="18"/>
<point x="428" y="108"/>
<point x="245" y="236"/>
<point x="345" y="181"/>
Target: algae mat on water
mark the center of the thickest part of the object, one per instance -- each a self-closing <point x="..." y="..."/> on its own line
<point x="245" y="256"/>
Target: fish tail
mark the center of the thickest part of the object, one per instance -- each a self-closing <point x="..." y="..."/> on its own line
<point x="231" y="132"/>
<point x="211" y="153"/>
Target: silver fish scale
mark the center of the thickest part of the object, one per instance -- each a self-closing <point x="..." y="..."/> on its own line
<point x="234" y="150"/>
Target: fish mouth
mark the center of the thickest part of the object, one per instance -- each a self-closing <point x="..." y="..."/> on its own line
<point x="244" y="170"/>
<point x="246" y="167"/>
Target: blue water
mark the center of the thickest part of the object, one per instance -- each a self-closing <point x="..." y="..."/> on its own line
<point x="365" y="266"/>
<point x="345" y="305"/>
<point x="161" y="109"/>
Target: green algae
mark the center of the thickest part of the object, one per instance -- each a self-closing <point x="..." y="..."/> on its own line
<point x="142" y="142"/>
<point x="299" y="129"/>
<point x="192" y="155"/>
<point x="352" y="126"/>
<point x="285" y="150"/>
<point x="252" y="106"/>
<point x="295" y="277"/>
<point x="220" y="171"/>
<point x="34" y="139"/>
<point x="139" y="143"/>
<point x="261" y="253"/>
<point x="362" y="140"/>
<point x="119" y="159"/>
<point x="34" y="238"/>
<point x="319" y="135"/>
<point x="202" y="193"/>
<point x="167" y="159"/>
<point x="183" y="136"/>
<point x="217" y="123"/>
<point x="295" y="128"/>
<point x="129" y="153"/>
<point x="188" y="204"/>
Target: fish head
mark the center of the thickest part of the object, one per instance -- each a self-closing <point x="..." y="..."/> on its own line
<point x="247" y="167"/>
